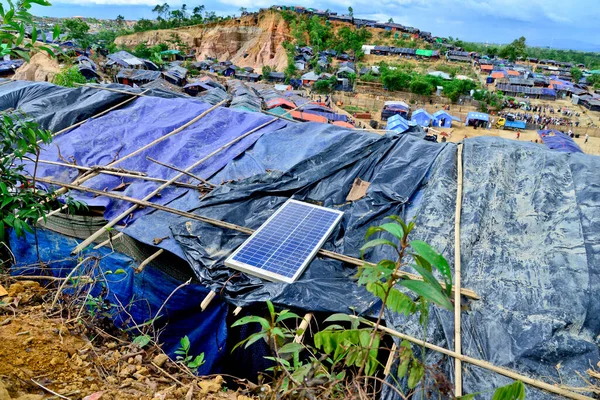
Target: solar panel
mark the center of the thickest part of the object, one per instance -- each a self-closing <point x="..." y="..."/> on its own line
<point x="285" y="244"/>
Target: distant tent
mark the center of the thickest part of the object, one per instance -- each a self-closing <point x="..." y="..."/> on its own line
<point x="443" y="119"/>
<point x="421" y="117"/>
<point x="398" y="123"/>
<point x="473" y="117"/>
<point x="556" y="140"/>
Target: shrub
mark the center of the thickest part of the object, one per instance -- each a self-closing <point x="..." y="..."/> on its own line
<point x="68" y="77"/>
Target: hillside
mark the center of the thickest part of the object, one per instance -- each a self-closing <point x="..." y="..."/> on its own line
<point x="251" y="41"/>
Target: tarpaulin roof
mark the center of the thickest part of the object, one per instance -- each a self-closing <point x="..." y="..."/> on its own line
<point x="425" y="53"/>
<point x="498" y="74"/>
<point x="478" y="116"/>
<point x="444" y="113"/>
<point x="421" y="117"/>
<point x="279" y="102"/>
<point x="549" y="92"/>
<point x="331" y="116"/>
<point x="558" y="141"/>
<point x="125" y="59"/>
<point x="396" y="105"/>
<point x="305" y="116"/>
<point x="201" y="84"/>
<point x="486" y="67"/>
<point x="343" y="124"/>
<point x="138" y="74"/>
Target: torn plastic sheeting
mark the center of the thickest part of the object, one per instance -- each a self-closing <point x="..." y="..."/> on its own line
<point x="141" y="293"/>
<point x="56" y="107"/>
<point x="122" y="132"/>
<point x="325" y="177"/>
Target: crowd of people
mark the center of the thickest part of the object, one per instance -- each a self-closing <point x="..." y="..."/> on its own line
<point x="541" y="118"/>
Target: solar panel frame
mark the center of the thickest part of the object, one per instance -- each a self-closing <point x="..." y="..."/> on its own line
<point x="267" y="274"/>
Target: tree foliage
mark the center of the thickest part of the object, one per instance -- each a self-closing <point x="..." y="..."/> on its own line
<point x="576" y="74"/>
<point x="78" y="30"/>
<point x="69" y="76"/>
<point x="516" y="49"/>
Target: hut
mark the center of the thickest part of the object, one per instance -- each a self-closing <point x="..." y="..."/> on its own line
<point x="176" y="75"/>
<point x="136" y="76"/>
<point x="278" y="77"/>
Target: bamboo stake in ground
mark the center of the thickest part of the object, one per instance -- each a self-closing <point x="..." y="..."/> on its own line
<point x="144" y="203"/>
<point x="457" y="302"/>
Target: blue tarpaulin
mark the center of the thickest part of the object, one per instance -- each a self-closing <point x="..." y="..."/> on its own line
<point x="421" y="117"/>
<point x="548" y="92"/>
<point x="443" y="119"/>
<point x="477" y="116"/>
<point x="556" y="140"/>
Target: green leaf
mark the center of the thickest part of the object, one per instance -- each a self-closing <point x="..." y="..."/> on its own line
<point x="120" y="271"/>
<point x="290" y="348"/>
<point x="250" y="319"/>
<point x="56" y="32"/>
<point x="396" y="300"/>
<point x="427" y="291"/>
<point x="21" y="35"/>
<point x="514" y="391"/>
<point x="271" y="309"/>
<point x="467" y="396"/>
<point x="185" y="343"/>
<point x="401" y="222"/>
<point x="377" y="242"/>
<point x="416" y="373"/>
<point x="197" y="362"/>
<point x="428" y="277"/>
<point x="141" y="341"/>
<point x="34" y="34"/>
<point x="394" y="229"/>
<point x="286" y="314"/>
<point x="436" y="260"/>
<point x="23" y="54"/>
<point x="254" y="338"/>
<point x="354" y="322"/>
<point x="403" y="368"/>
<point x="382" y="271"/>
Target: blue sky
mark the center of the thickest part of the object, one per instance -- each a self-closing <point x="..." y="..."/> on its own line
<point x="555" y="23"/>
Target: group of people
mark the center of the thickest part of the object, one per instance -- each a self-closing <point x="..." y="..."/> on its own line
<point x="543" y="120"/>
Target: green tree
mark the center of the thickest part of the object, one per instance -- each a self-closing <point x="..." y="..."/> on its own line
<point x="141" y="50"/>
<point x="395" y="79"/>
<point x="79" y="31"/>
<point x="243" y="10"/>
<point x="143" y="25"/>
<point x="14" y="20"/>
<point x="491" y="51"/>
<point x="120" y="19"/>
<point x="517" y="48"/>
<point x="576" y="74"/>
<point x="68" y="77"/>
<point x="351" y="11"/>
<point x="391" y="20"/>
<point x="421" y="86"/>
<point x="266" y="70"/>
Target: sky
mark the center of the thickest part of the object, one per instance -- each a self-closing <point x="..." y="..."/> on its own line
<point x="554" y="23"/>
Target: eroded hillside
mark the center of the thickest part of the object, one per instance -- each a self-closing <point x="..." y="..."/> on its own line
<point x="252" y="41"/>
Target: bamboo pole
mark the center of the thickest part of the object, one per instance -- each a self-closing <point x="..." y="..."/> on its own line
<point x="390" y="361"/>
<point x="279" y="116"/>
<point x="457" y="284"/>
<point x="237" y="311"/>
<point x="117" y="172"/>
<point x="481" y="363"/>
<point x="108" y="241"/>
<point x="303" y="326"/>
<point x="82" y="179"/>
<point x="182" y="171"/>
<point x="89" y="240"/>
<point x="323" y="253"/>
<point x="148" y="260"/>
<point x="114" y="90"/>
<point x="207" y="300"/>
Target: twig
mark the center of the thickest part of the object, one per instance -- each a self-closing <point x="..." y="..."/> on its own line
<point x="50" y="391"/>
<point x="182" y="171"/>
<point x="166" y="373"/>
<point x="66" y="279"/>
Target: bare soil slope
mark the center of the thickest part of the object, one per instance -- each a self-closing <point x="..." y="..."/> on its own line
<point x="40" y="68"/>
<point x="252" y="41"/>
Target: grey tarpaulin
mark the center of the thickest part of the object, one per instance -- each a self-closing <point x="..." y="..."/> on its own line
<point x="530" y="237"/>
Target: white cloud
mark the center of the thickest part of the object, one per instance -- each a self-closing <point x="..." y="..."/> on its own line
<point x="118" y="2"/>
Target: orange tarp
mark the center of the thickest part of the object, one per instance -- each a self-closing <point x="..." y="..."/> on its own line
<point x="498" y="75"/>
<point x="513" y="73"/>
<point x="308" y="117"/>
<point x="487" y="67"/>
<point x="280" y="102"/>
<point x="344" y="124"/>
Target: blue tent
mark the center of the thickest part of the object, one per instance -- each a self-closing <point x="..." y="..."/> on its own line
<point x="556" y="140"/>
<point x="398" y="123"/>
<point x="443" y="119"/>
<point x="422" y="117"/>
<point x="476" y="116"/>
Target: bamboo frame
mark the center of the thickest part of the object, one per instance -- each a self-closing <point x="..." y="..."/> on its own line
<point x="144" y="203"/>
<point x="108" y="241"/>
<point x="112" y="223"/>
<point x="303" y="327"/>
<point x="390" y="361"/>
<point x="481" y="363"/>
<point x="457" y="283"/>
<point x="204" y="181"/>
<point x="148" y="260"/>
<point x="207" y="300"/>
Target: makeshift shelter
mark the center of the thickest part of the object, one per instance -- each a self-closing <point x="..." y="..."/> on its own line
<point x="8" y="68"/>
<point x="193" y="88"/>
<point x="540" y="289"/>
<point x="394" y="107"/>
<point x="136" y="76"/>
<point x="310" y="78"/>
<point x="559" y="141"/>
<point x="307" y="117"/>
<point x="125" y="60"/>
<point x="176" y="75"/>
<point x="280" y="102"/>
<point x="477" y="118"/>
<point x="422" y="117"/>
<point x="276" y="77"/>
<point x="442" y="118"/>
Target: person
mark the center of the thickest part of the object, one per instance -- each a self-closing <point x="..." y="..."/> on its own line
<point x="586" y="138"/>
<point x="518" y="134"/>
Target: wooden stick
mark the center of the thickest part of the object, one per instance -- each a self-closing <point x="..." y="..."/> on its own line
<point x="237" y="311"/>
<point x="113" y="90"/>
<point x="50" y="391"/>
<point x="227" y="225"/>
<point x="182" y="171"/>
<point x="148" y="260"/>
<point x="108" y="241"/>
<point x="99" y="114"/>
<point x="457" y="301"/>
<point x="390" y="361"/>
<point x="166" y="373"/>
<point x="207" y="300"/>
<point x="480" y="363"/>
<point x="280" y="116"/>
<point x="131" y="209"/>
<point x="117" y="172"/>
<point x="303" y="326"/>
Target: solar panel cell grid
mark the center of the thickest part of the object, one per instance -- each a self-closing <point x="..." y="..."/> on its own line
<point x="285" y="244"/>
